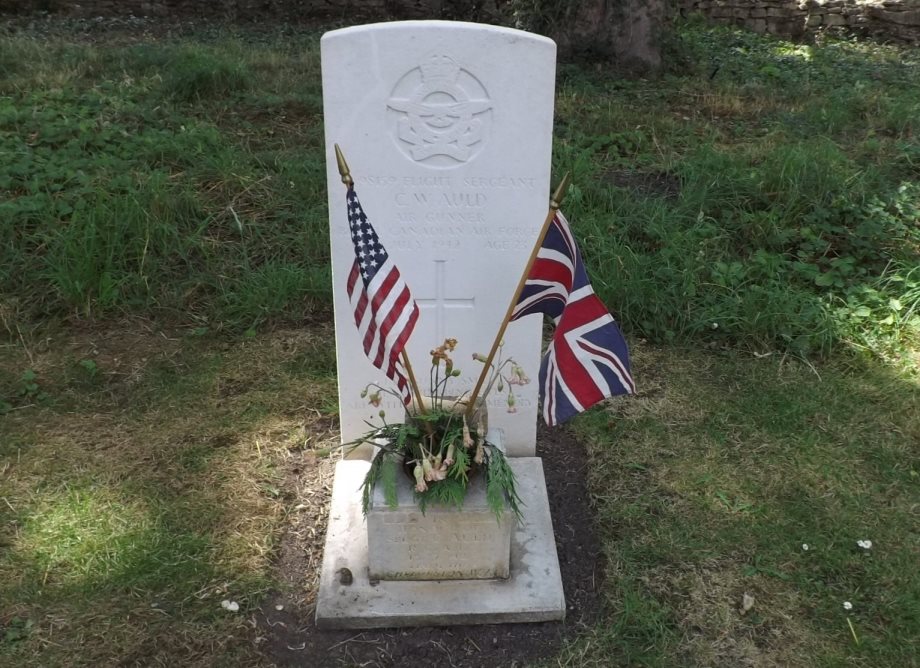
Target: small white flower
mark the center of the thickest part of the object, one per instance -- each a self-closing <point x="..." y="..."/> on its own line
<point x="715" y="325"/>
<point x="279" y="607"/>
<point x="232" y="606"/>
<point x="847" y="605"/>
<point x="805" y="547"/>
<point x="865" y="544"/>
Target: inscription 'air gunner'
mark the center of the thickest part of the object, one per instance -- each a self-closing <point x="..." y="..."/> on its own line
<point x="440" y="115"/>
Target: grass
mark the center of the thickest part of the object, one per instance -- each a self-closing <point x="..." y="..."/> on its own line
<point x="750" y="198"/>
<point x="710" y="483"/>
<point x="753" y="222"/>
<point x="132" y="504"/>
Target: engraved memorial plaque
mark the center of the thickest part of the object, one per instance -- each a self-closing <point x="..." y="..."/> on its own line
<point x="403" y="543"/>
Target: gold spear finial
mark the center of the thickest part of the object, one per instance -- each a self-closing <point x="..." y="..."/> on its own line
<point x="556" y="200"/>
<point x="343" y="167"/>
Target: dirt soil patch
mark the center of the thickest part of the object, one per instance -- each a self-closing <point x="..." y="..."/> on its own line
<point x="289" y="636"/>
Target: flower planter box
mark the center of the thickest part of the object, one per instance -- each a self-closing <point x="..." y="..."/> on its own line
<point x="443" y="543"/>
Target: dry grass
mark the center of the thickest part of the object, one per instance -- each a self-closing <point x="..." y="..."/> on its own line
<point x="136" y="500"/>
<point x="139" y="501"/>
<point x="709" y="483"/>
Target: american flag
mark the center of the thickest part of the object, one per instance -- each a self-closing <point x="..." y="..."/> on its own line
<point x="385" y="312"/>
<point x="587" y="359"/>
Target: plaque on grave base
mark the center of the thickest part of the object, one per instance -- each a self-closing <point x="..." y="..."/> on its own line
<point x="441" y="543"/>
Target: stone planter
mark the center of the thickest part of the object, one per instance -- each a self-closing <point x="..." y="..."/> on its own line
<point x="443" y="543"/>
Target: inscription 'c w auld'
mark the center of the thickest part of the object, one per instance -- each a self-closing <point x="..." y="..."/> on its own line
<point x="458" y="200"/>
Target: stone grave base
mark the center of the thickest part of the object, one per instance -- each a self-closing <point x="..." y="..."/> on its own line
<point x="532" y="593"/>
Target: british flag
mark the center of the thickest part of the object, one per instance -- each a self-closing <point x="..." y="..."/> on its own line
<point x="587" y="359"/>
<point x="385" y="312"/>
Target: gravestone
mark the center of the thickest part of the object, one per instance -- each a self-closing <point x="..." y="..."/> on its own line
<point x="447" y="129"/>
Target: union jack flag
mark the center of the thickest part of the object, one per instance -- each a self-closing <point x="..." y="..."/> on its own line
<point x="385" y="312"/>
<point x="587" y="359"/>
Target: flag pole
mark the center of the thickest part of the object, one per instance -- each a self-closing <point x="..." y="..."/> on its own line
<point x="554" y="204"/>
<point x="349" y="182"/>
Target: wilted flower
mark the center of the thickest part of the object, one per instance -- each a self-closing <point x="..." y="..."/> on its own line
<point x="847" y="605"/>
<point x="511" y="408"/>
<point x="479" y="457"/>
<point x="479" y="357"/>
<point x="518" y="377"/>
<point x="432" y="472"/>
<point x="440" y="353"/>
<point x="865" y="544"/>
<point x="419" y="474"/>
<point x="467" y="439"/>
<point x="375" y="399"/>
<point x="451" y="451"/>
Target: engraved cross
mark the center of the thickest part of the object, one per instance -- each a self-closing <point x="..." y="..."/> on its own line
<point x="440" y="302"/>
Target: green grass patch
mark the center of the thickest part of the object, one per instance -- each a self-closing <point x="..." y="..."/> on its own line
<point x="762" y="194"/>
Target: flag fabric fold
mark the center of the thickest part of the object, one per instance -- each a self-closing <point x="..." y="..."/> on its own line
<point x="385" y="312"/>
<point x="587" y="359"/>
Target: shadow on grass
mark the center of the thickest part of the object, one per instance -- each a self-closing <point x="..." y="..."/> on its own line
<point x="133" y="508"/>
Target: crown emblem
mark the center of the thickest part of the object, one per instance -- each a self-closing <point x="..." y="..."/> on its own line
<point x="439" y="68"/>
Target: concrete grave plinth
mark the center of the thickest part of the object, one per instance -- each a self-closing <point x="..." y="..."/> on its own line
<point x="349" y="599"/>
<point x="443" y="543"/>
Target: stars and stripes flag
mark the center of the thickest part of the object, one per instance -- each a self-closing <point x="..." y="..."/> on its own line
<point x="587" y="359"/>
<point x="385" y="312"/>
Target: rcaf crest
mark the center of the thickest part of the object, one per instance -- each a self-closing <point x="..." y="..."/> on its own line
<point x="442" y="113"/>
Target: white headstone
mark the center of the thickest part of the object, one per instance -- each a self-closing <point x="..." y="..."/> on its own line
<point x="447" y="129"/>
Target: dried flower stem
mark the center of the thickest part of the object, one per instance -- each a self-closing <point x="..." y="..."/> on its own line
<point x="853" y="632"/>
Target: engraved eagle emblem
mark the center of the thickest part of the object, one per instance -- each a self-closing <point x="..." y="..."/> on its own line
<point x="440" y="115"/>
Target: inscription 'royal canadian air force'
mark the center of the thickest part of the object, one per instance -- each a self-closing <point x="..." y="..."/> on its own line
<point x="444" y="113"/>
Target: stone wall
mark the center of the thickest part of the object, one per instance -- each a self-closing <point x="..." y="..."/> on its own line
<point x="897" y="20"/>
